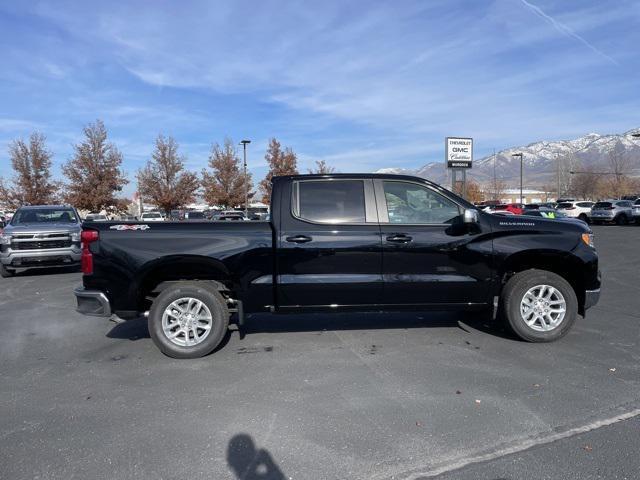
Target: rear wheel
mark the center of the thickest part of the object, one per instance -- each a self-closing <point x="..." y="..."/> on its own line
<point x="539" y="306"/>
<point x="6" y="272"/>
<point x="188" y="320"/>
<point x="584" y="217"/>
<point x="621" y="219"/>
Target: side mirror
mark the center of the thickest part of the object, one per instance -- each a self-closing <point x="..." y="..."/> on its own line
<point x="470" y="216"/>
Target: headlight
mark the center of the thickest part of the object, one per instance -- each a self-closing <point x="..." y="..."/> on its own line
<point x="588" y="239"/>
<point x="5" y="238"/>
<point x="75" y="237"/>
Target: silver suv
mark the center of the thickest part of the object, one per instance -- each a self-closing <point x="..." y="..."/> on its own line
<point x="618" y="211"/>
<point x="40" y="236"/>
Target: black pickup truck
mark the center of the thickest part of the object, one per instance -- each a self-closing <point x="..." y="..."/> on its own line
<point x="340" y="242"/>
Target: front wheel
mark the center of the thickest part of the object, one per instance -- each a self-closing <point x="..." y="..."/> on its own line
<point x="188" y="320"/>
<point x="539" y="306"/>
<point x="584" y="217"/>
<point x="6" y="272"/>
<point x="621" y="219"/>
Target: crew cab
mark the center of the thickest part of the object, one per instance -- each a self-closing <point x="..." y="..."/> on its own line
<point x="340" y="242"/>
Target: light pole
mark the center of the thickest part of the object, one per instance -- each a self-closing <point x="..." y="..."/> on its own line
<point x="244" y="144"/>
<point x="519" y="155"/>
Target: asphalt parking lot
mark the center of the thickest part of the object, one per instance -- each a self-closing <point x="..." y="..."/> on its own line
<point x="372" y="396"/>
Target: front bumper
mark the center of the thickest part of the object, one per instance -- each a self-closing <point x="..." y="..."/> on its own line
<point x="605" y="217"/>
<point x="40" y="258"/>
<point x="591" y="298"/>
<point x="92" y="302"/>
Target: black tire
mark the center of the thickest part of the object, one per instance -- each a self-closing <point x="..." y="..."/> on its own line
<point x="210" y="297"/>
<point x="584" y="217"/>
<point x="514" y="292"/>
<point x="621" y="219"/>
<point x="6" y="272"/>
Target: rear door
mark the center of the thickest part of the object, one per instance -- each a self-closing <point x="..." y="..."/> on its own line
<point x="429" y="256"/>
<point x="329" y="246"/>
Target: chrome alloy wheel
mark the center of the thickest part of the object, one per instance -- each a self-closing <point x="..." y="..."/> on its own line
<point x="543" y="308"/>
<point x="187" y="321"/>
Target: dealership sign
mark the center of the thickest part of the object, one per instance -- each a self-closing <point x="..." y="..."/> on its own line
<point x="459" y="152"/>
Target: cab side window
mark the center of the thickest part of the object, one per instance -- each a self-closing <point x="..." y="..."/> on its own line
<point x="410" y="203"/>
<point x="334" y="201"/>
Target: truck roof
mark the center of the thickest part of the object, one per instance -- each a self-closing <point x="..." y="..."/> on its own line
<point x="382" y="176"/>
<point x="390" y="176"/>
<point x="45" y="206"/>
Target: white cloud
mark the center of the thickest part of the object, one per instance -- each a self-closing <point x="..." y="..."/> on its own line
<point x="411" y="72"/>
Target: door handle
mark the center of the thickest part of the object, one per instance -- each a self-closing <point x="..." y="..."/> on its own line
<point x="399" y="238"/>
<point x="299" y="239"/>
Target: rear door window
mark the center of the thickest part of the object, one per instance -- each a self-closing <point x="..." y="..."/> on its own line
<point x="330" y="201"/>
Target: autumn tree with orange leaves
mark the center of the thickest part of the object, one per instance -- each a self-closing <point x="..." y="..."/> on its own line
<point x="224" y="185"/>
<point x="32" y="183"/>
<point x="281" y="162"/>
<point x="164" y="180"/>
<point x="94" y="174"/>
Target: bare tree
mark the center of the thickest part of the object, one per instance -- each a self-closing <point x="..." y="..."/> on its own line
<point x="281" y="162"/>
<point x="164" y="180"/>
<point x="5" y="194"/>
<point x="586" y="185"/>
<point x="474" y="193"/>
<point x="32" y="183"/>
<point x="620" y="165"/>
<point x="497" y="187"/>
<point x="93" y="173"/>
<point x="322" y="167"/>
<point x="225" y="185"/>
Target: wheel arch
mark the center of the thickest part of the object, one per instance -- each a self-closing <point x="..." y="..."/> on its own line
<point x="160" y="273"/>
<point x="564" y="264"/>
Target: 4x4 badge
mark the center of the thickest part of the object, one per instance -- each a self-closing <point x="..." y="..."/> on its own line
<point x="129" y="227"/>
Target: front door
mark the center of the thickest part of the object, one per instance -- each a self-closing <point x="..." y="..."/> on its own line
<point x="429" y="256"/>
<point x="329" y="245"/>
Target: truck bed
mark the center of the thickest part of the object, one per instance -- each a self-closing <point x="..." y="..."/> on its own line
<point x="129" y="256"/>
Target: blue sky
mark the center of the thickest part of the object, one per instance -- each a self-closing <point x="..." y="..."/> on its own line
<point x="363" y="85"/>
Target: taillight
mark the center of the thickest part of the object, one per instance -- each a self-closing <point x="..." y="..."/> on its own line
<point x="87" y="237"/>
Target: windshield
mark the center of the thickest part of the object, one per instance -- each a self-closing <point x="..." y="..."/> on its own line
<point x="151" y="215"/>
<point x="44" y="215"/>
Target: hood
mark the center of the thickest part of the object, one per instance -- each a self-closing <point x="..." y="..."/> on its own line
<point x="524" y="222"/>
<point x="42" y="227"/>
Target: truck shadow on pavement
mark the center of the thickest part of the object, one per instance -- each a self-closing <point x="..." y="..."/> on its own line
<point x="136" y="329"/>
<point x="249" y="463"/>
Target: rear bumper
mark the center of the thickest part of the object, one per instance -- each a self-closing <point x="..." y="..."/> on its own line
<point x="92" y="302"/>
<point x="591" y="298"/>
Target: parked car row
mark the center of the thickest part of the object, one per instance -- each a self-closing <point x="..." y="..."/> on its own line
<point x="620" y="212"/>
<point x="183" y="215"/>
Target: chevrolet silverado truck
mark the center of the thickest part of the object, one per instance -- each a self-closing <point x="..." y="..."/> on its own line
<point x="340" y="242"/>
<point x="40" y="236"/>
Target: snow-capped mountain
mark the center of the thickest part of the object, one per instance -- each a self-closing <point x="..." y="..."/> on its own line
<point x="541" y="160"/>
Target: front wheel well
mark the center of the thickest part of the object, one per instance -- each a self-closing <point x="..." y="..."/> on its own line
<point x="567" y="267"/>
